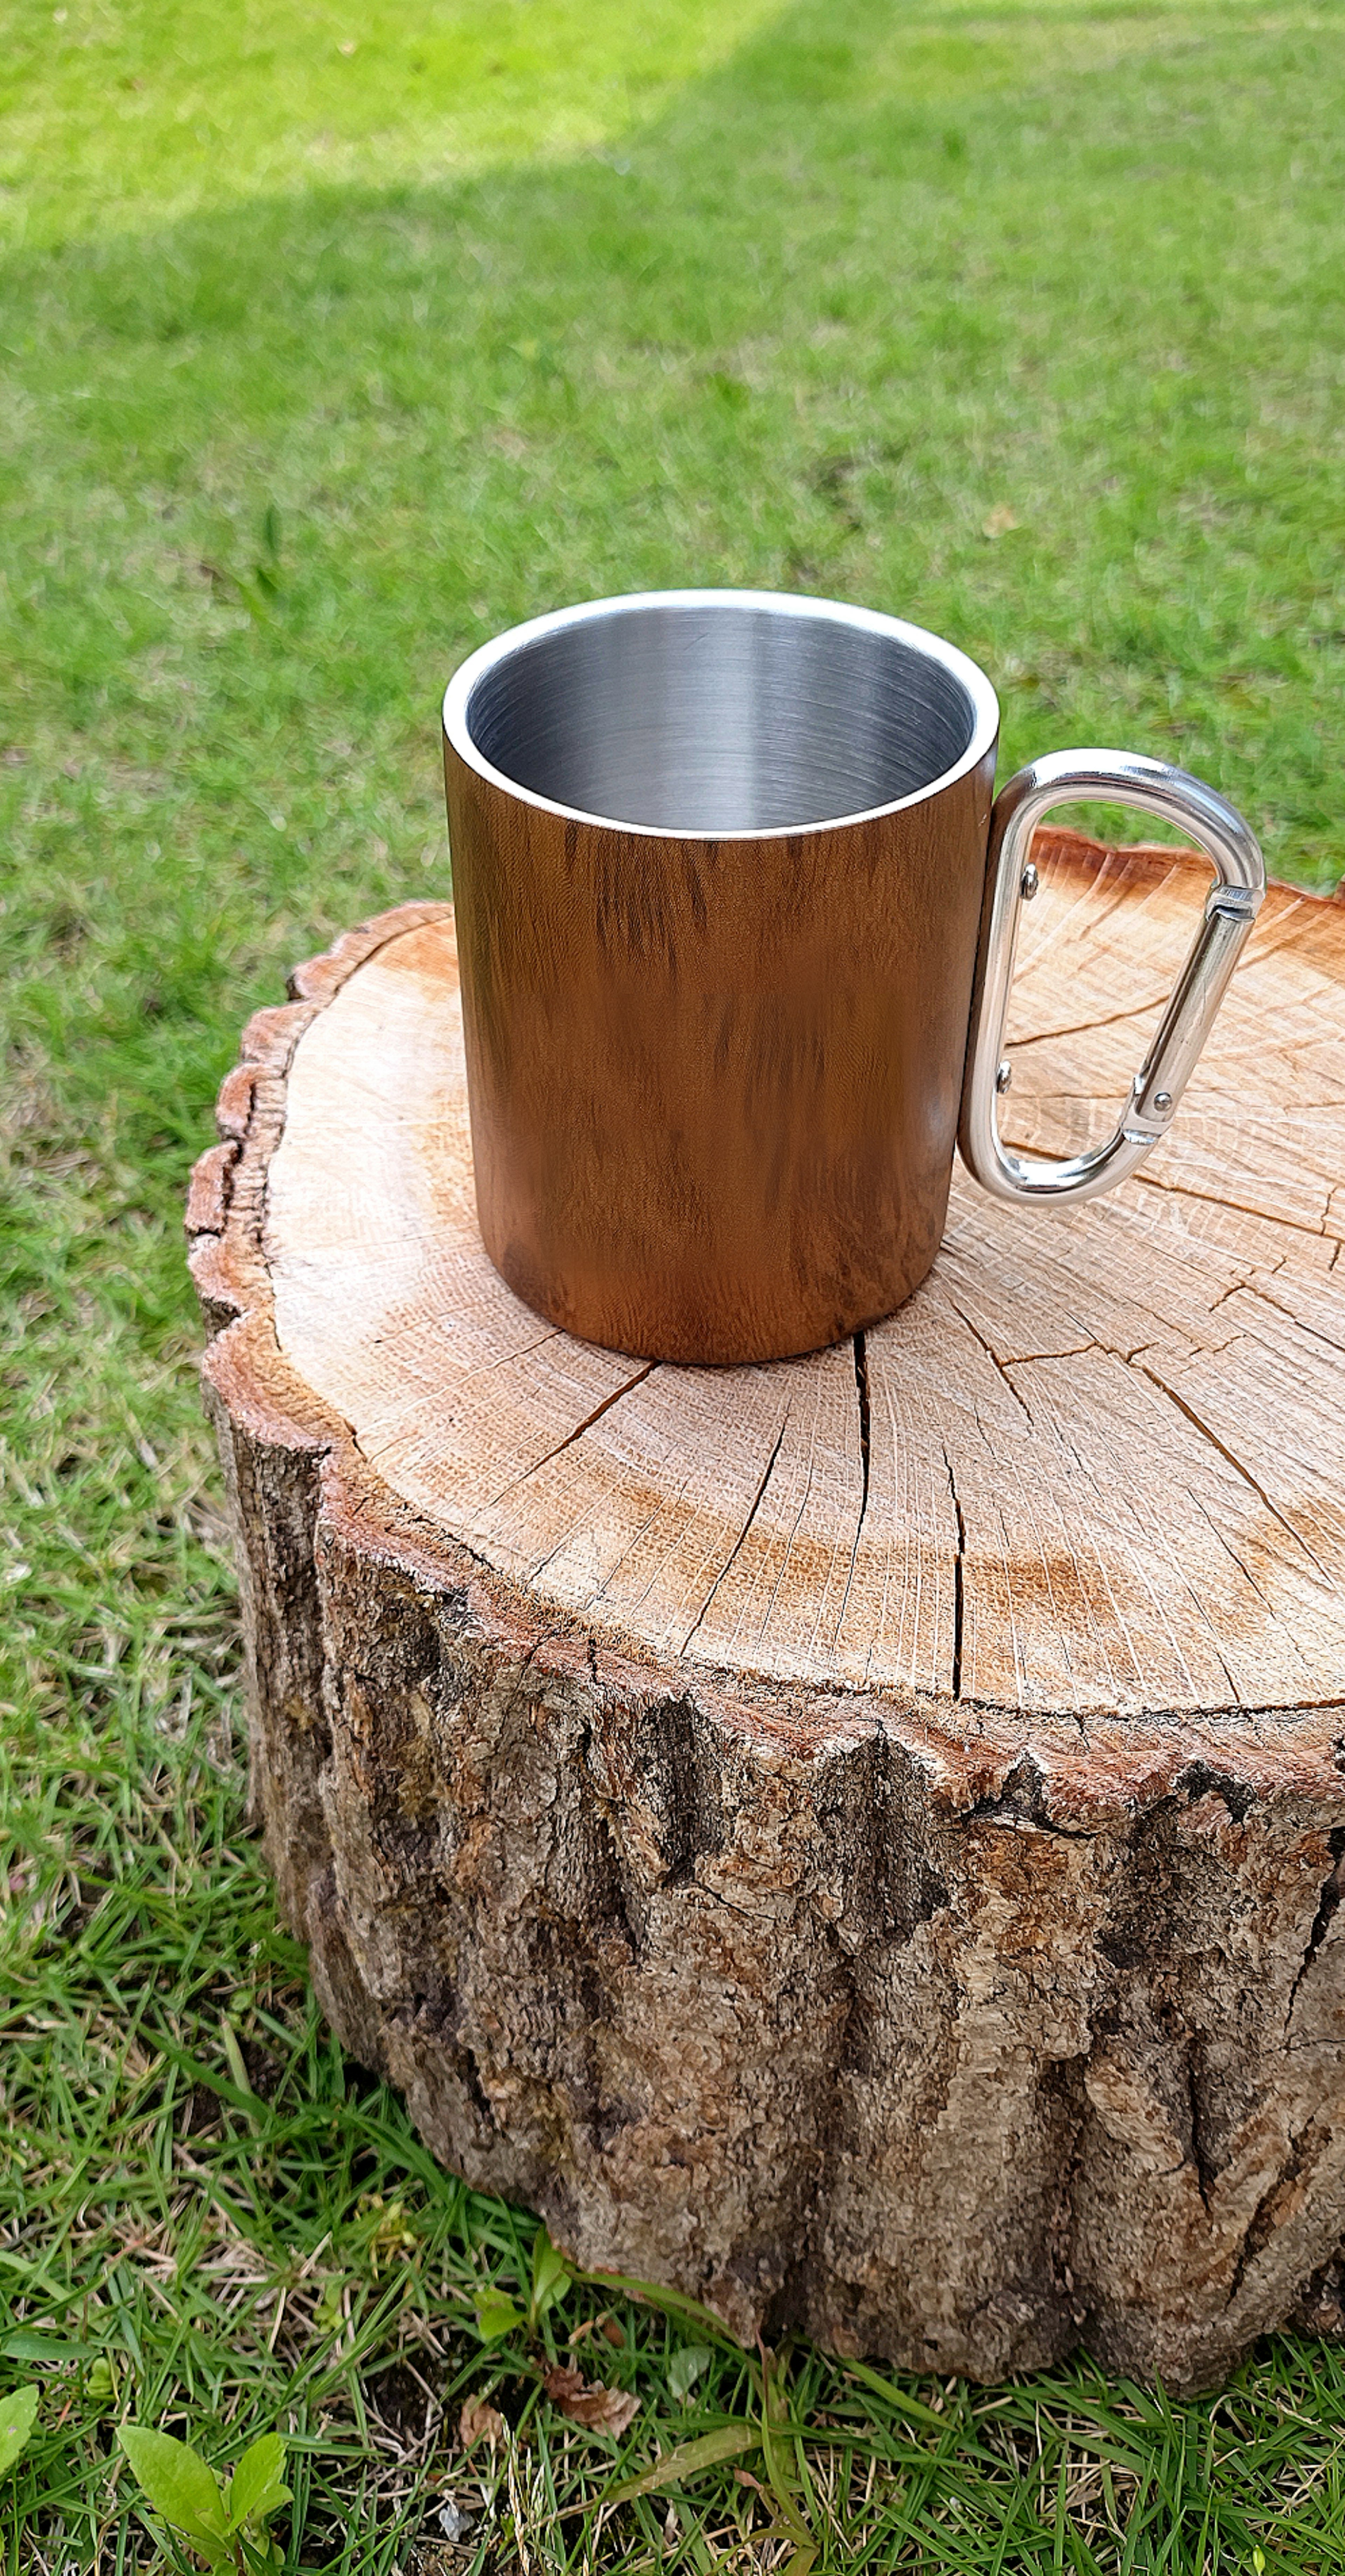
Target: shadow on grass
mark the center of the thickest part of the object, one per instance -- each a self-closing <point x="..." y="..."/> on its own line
<point x="966" y="320"/>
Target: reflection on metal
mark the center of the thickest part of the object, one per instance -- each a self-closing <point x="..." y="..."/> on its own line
<point x="1102" y="777"/>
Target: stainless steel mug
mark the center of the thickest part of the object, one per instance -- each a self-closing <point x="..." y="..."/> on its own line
<point x="736" y="921"/>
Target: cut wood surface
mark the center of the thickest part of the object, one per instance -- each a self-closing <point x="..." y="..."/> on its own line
<point x="856" y="1838"/>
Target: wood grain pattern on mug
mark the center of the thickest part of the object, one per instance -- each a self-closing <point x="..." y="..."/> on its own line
<point x="715" y="1084"/>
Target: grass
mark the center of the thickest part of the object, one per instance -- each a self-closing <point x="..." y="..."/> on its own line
<point x="319" y="365"/>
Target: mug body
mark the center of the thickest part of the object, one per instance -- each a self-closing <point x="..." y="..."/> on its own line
<point x="718" y="861"/>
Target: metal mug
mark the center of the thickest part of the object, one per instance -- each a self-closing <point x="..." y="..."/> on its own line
<point x="736" y="921"/>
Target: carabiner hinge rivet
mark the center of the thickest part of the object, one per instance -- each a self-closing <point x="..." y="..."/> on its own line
<point x="1162" y="1100"/>
<point x="1028" y="882"/>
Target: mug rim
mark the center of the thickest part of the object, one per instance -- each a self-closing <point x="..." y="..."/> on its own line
<point x="872" y="621"/>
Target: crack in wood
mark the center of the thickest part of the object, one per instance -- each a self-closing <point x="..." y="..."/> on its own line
<point x="520" y="1677"/>
<point x="1020" y="1804"/>
<point x="993" y="1356"/>
<point x="1261" y="2225"/>
<point x="1080" y="1350"/>
<point x="627" y="1552"/>
<point x="958" y="1599"/>
<point x="1246" y="1572"/>
<point x="1201" y="1608"/>
<point x="784" y="1561"/>
<point x="1202" y="2164"/>
<point x="1085" y="1028"/>
<point x="1264" y="1298"/>
<point x="865" y="1422"/>
<point x="578" y="1432"/>
<point x="1235" y="1462"/>
<point x="865" y="1452"/>
<point x="389" y="1337"/>
<point x="1149" y="1180"/>
<point x="1333" y="1889"/>
<point x="742" y="1534"/>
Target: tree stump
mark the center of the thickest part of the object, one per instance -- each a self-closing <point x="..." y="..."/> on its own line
<point x="859" y="1840"/>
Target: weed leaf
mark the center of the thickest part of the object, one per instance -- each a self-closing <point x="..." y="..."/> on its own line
<point x="686" y="2366"/>
<point x="18" y="2413"/>
<point x="496" y="2315"/>
<point x="550" y="2278"/>
<point x="177" y="2482"/>
<point x="729" y="2443"/>
<point x="26" y="2346"/>
<point x="257" y="2487"/>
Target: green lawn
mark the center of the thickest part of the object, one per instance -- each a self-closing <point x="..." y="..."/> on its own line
<point x="334" y="339"/>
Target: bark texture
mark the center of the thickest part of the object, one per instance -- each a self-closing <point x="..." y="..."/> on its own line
<point x="862" y="1840"/>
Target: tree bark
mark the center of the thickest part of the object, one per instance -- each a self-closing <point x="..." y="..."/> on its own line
<point x="859" y="1840"/>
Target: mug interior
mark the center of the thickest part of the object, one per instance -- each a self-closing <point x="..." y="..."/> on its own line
<point x="703" y="715"/>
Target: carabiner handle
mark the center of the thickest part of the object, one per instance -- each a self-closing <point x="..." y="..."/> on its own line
<point x="1113" y="778"/>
